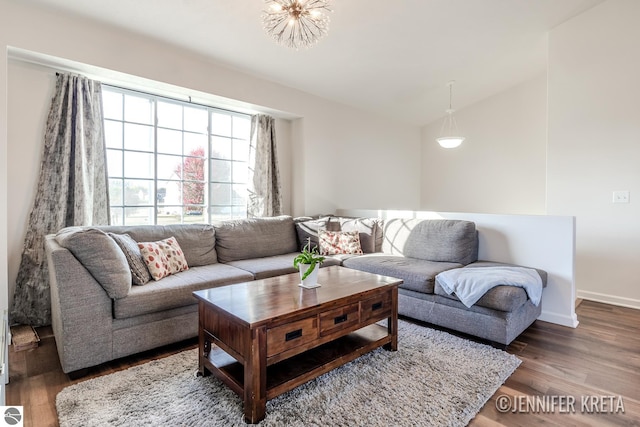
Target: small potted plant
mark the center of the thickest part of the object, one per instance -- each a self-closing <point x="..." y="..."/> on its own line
<point x="306" y="263"/>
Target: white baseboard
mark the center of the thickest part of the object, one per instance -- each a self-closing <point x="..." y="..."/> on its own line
<point x="609" y="299"/>
<point x="559" y="319"/>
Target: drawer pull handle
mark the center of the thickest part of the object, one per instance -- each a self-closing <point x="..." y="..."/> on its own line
<point x="293" y="335"/>
<point x="339" y="319"/>
<point x="376" y="306"/>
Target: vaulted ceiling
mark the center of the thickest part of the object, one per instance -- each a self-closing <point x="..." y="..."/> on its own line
<point x="393" y="58"/>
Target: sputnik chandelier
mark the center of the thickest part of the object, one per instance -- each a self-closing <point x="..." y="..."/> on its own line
<point x="296" y="23"/>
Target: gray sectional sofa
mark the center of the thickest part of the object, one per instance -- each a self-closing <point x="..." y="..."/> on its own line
<point x="98" y="315"/>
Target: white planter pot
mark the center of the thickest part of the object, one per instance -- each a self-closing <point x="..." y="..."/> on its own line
<point x="312" y="280"/>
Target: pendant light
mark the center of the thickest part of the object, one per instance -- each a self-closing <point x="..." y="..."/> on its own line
<point x="449" y="134"/>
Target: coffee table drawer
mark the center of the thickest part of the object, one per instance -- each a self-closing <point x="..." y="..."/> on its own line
<point x="339" y="318"/>
<point x="291" y="335"/>
<point x="375" y="308"/>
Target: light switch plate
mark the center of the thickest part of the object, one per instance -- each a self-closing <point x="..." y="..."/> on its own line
<point x="621" y="196"/>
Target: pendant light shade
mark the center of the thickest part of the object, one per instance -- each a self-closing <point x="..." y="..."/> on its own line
<point x="450" y="136"/>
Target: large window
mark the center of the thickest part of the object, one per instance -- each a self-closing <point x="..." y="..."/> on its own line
<point x="173" y="162"/>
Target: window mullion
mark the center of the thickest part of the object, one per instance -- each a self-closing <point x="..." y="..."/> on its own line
<point x="184" y="208"/>
<point x="155" y="161"/>
<point x="208" y="166"/>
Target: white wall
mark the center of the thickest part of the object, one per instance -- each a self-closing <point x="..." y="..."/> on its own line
<point x="500" y="167"/>
<point x="585" y="118"/>
<point x="594" y="145"/>
<point x="327" y="146"/>
<point x="354" y="161"/>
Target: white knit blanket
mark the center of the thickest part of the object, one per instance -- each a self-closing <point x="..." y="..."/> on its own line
<point x="470" y="284"/>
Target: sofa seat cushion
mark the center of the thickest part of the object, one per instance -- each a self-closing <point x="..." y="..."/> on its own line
<point x="411" y="302"/>
<point x="175" y="290"/>
<point x="542" y="273"/>
<point x="337" y="259"/>
<point x="255" y="238"/>
<point x="261" y="268"/>
<point x="502" y="298"/>
<point x="418" y="275"/>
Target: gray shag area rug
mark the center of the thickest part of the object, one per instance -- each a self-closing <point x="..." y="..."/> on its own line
<point x="434" y="379"/>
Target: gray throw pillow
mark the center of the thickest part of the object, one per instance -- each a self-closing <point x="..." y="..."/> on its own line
<point x="101" y="256"/>
<point x="139" y="270"/>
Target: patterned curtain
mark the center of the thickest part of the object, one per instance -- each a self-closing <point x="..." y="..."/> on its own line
<point x="72" y="188"/>
<point x="265" y="191"/>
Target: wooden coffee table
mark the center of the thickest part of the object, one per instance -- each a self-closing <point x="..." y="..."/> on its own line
<point x="266" y="337"/>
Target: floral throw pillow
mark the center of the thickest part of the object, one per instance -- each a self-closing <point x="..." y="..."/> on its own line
<point x="163" y="258"/>
<point x="339" y="242"/>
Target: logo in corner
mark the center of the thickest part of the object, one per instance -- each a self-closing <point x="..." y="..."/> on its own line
<point x="13" y="416"/>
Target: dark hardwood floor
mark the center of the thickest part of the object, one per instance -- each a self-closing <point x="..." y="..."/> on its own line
<point x="599" y="358"/>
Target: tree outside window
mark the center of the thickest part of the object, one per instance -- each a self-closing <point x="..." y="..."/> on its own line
<point x="191" y="172"/>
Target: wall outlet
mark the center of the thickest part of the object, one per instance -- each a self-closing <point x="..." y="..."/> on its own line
<point x="621" y="196"/>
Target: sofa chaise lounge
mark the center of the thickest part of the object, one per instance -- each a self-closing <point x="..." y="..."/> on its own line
<point x="417" y="250"/>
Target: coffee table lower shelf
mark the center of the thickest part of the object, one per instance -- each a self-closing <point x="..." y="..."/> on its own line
<point x="294" y="371"/>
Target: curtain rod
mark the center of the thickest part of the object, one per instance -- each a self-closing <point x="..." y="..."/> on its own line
<point x="61" y="66"/>
<point x="190" y="101"/>
<point x="145" y="92"/>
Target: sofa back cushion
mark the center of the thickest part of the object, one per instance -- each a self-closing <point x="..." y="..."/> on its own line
<point x="255" y="238"/>
<point x="307" y="230"/>
<point x="369" y="230"/>
<point x="197" y="241"/>
<point x="101" y="256"/>
<point x="432" y="240"/>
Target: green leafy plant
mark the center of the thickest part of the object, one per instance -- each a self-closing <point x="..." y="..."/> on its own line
<point x="308" y="256"/>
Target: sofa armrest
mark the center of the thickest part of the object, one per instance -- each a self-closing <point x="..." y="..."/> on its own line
<point x="81" y="311"/>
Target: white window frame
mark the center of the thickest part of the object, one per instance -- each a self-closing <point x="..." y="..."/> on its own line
<point x="212" y="208"/>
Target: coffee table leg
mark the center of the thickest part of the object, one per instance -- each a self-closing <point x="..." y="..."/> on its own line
<point x="255" y="377"/>
<point x="392" y="322"/>
<point x="204" y="347"/>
